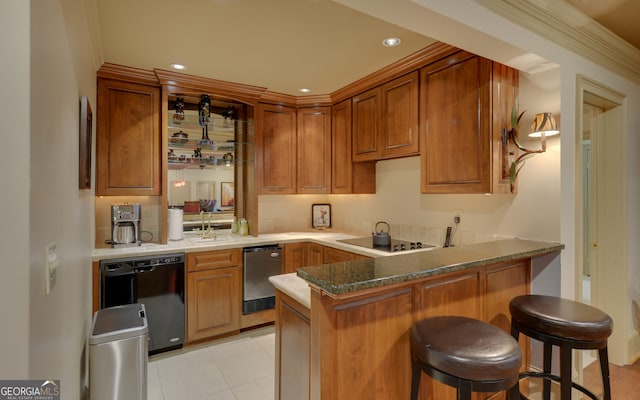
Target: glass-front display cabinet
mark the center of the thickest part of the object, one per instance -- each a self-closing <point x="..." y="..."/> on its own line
<point x="208" y="152"/>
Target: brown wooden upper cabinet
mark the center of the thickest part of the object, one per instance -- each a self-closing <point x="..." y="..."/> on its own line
<point x="128" y="139"/>
<point x="465" y="101"/>
<point x="346" y="176"/>
<point x="275" y="144"/>
<point x="385" y="120"/>
<point x="314" y="150"/>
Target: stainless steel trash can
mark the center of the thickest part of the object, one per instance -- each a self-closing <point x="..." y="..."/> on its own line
<point x="118" y="356"/>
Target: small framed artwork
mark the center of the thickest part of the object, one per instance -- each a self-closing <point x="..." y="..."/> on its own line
<point x="84" y="162"/>
<point x="227" y="194"/>
<point x="321" y="216"/>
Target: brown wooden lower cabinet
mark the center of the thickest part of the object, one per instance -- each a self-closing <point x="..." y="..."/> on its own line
<point x="316" y="254"/>
<point x="292" y="343"/>
<point x="302" y="254"/>
<point x="295" y="256"/>
<point x="214" y="293"/>
<point x="359" y="344"/>
<point x="331" y="255"/>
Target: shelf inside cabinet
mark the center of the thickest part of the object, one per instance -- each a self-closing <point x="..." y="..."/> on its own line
<point x="212" y="146"/>
<point x="215" y="123"/>
<point x="202" y="163"/>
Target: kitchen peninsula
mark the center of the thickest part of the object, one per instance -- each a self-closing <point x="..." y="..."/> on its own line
<point x="347" y="336"/>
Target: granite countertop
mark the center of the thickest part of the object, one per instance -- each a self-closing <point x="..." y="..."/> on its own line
<point x="345" y="277"/>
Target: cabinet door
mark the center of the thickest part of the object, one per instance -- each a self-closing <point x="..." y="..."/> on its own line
<point x="128" y="139"/>
<point x="347" y="176"/>
<point x="213" y="302"/>
<point x="332" y="255"/>
<point x="400" y="116"/>
<point x="369" y="351"/>
<point x="275" y="145"/>
<point x="314" y="150"/>
<point x="503" y="283"/>
<point x="458" y="296"/>
<point x="456" y="97"/>
<point x="293" y="341"/>
<point x="505" y="90"/>
<point x="295" y="256"/>
<point x="341" y="171"/>
<point x="316" y="254"/>
<point x="367" y="125"/>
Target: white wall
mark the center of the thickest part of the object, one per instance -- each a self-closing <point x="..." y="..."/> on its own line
<point x="532" y="213"/>
<point x="14" y="180"/>
<point x="62" y="70"/>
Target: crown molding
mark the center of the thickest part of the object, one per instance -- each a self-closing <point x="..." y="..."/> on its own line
<point x="570" y="28"/>
<point x="410" y="63"/>
<point x="278" y="98"/>
<point x="314" y="100"/>
<point x="238" y="91"/>
<point x="130" y="74"/>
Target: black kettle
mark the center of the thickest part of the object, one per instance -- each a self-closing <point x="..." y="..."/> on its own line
<point x="381" y="238"/>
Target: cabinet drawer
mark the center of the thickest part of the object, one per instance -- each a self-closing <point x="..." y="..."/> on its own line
<point x="213" y="259"/>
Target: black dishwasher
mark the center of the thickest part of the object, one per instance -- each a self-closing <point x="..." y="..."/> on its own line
<point x="158" y="283"/>
<point x="260" y="262"/>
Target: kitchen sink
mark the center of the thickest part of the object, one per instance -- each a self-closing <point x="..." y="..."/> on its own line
<point x="210" y="240"/>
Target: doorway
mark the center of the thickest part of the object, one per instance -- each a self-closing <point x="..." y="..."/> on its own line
<point x="601" y="279"/>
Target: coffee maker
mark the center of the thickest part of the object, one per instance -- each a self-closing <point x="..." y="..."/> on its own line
<point x="125" y="225"/>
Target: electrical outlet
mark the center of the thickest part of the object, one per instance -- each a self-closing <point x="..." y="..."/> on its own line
<point x="457" y="216"/>
<point x="51" y="263"/>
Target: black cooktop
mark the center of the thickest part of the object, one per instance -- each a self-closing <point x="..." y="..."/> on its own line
<point x="396" y="244"/>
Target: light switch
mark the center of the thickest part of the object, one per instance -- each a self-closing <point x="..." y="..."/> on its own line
<point x="51" y="263"/>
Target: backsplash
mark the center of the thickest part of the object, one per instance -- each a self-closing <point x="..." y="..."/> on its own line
<point x="292" y="213"/>
<point x="151" y="217"/>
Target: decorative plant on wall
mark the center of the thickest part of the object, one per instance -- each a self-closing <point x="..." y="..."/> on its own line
<point x="512" y="135"/>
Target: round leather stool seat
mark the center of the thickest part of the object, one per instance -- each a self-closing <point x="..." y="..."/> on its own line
<point x="465" y="353"/>
<point x="569" y="325"/>
<point x="561" y="317"/>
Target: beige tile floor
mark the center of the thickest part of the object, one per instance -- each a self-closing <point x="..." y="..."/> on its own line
<point x="236" y="368"/>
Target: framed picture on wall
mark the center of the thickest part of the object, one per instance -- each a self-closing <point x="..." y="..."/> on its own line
<point x="321" y="216"/>
<point x="84" y="162"/>
<point x="227" y="194"/>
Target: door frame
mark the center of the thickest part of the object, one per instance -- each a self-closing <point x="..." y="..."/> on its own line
<point x="609" y="249"/>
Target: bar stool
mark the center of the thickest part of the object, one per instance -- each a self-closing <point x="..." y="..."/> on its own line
<point x="464" y="353"/>
<point x="569" y="325"/>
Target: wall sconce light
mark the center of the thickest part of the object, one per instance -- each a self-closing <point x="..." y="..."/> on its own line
<point x="543" y="125"/>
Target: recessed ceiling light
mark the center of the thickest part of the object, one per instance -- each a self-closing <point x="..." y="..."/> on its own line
<point x="178" y="66"/>
<point x="391" y="42"/>
<point x="304" y="90"/>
